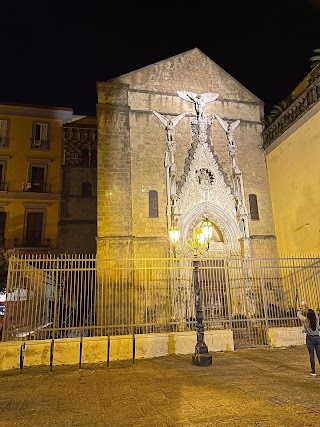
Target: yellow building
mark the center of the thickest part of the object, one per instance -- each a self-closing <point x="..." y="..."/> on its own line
<point x="292" y="147"/>
<point x="30" y="175"/>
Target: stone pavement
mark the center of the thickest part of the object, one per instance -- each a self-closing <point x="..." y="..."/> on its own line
<point x="248" y="387"/>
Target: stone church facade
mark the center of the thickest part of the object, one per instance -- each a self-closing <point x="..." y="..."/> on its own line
<point x="180" y="141"/>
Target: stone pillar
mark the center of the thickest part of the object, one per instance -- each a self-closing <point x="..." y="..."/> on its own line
<point x="114" y="201"/>
<point x="114" y="214"/>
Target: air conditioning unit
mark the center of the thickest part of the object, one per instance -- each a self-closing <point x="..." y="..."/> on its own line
<point x="26" y="186"/>
<point x="37" y="143"/>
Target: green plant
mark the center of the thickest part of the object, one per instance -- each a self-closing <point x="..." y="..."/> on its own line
<point x="276" y="111"/>
<point x="315" y="59"/>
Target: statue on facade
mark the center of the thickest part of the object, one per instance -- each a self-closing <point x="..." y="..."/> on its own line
<point x="242" y="218"/>
<point x="169" y="161"/>
<point x="169" y="125"/>
<point x="229" y="128"/>
<point x="200" y="101"/>
<point x="173" y="180"/>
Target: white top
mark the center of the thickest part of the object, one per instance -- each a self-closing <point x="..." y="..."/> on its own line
<point x="306" y="324"/>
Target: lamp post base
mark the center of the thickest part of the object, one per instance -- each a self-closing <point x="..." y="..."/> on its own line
<point x="202" y="359"/>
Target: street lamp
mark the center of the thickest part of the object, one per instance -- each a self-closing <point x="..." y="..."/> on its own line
<point x="198" y="243"/>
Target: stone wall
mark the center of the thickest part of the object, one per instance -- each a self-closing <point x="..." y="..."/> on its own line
<point x="78" y="214"/>
<point x="70" y="351"/>
<point x="132" y="144"/>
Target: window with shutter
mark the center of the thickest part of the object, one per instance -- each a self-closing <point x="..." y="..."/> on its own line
<point x="41" y="135"/>
<point x="4" y="139"/>
<point x="38" y="178"/>
<point x="34" y="228"/>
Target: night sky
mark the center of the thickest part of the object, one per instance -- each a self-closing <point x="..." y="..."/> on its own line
<point x="54" y="55"/>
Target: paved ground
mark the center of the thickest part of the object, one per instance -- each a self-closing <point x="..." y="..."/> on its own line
<point x="252" y="387"/>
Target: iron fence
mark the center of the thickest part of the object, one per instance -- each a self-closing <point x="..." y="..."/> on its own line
<point x="82" y="295"/>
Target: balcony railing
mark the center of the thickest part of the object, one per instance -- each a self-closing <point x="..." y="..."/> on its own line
<point x="4" y="186"/>
<point x="4" y="142"/>
<point x="39" y="144"/>
<point x="36" y="187"/>
<point x="32" y="243"/>
<point x="308" y="98"/>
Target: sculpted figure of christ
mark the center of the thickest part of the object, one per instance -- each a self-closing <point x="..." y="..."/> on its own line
<point x="229" y="128"/>
<point x="200" y="101"/>
<point x="169" y="125"/>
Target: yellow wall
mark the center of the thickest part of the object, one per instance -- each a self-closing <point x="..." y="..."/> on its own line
<point x="18" y="156"/>
<point x="15" y="218"/>
<point x="21" y="129"/>
<point x="294" y="175"/>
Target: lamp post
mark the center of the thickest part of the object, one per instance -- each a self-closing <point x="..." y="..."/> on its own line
<point x="198" y="244"/>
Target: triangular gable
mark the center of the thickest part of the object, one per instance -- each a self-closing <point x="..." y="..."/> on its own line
<point x="192" y="70"/>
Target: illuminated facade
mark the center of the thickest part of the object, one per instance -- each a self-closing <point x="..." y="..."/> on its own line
<point x="152" y="176"/>
<point x="30" y="173"/>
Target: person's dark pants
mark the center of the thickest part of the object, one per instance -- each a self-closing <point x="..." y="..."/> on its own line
<point x="313" y="345"/>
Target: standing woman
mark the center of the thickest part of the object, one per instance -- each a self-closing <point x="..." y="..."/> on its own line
<point x="311" y="328"/>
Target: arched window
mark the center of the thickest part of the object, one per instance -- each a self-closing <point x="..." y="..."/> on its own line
<point x="86" y="189"/>
<point x="254" y="212"/>
<point x="153" y="204"/>
<point x="85" y="157"/>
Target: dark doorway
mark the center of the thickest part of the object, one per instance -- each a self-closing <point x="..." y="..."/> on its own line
<point x="34" y="228"/>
